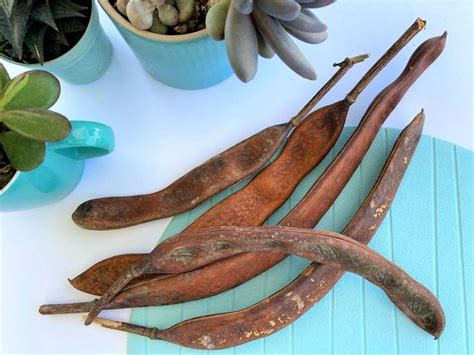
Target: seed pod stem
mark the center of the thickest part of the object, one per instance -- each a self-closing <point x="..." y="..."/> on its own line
<point x="344" y="66"/>
<point x="406" y="37"/>
<point x="137" y="270"/>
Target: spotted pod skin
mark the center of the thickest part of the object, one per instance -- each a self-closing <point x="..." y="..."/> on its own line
<point x="188" y="251"/>
<point x="198" y="185"/>
<point x="287" y="305"/>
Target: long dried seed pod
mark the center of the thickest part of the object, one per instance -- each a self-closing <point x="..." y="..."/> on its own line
<point x="308" y="212"/>
<point x="215" y="19"/>
<point x="282" y="44"/>
<point x="188" y="251"/>
<point x="306" y="21"/>
<point x="241" y="44"/>
<point x="285" y="10"/>
<point x="276" y="312"/>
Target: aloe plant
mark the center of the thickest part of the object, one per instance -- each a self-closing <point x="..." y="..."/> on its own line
<point x="26" y="123"/>
<point x="35" y="31"/>
<point x="263" y="27"/>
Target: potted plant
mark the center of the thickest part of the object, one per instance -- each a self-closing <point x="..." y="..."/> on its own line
<point x="41" y="153"/>
<point x="60" y="36"/>
<point x="179" y="42"/>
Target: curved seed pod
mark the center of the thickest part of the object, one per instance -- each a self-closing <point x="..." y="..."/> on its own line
<point x="244" y="6"/>
<point x="316" y="3"/>
<point x="140" y="14"/>
<point x="168" y="15"/>
<point x="308" y="37"/>
<point x="306" y="21"/>
<point x="215" y="19"/>
<point x="158" y="26"/>
<point x="186" y="9"/>
<point x="188" y="251"/>
<point x="291" y="302"/>
<point x="264" y="49"/>
<point x="285" y="10"/>
<point x="282" y="44"/>
<point x="204" y="181"/>
<point x="241" y="44"/>
<point x="122" y="6"/>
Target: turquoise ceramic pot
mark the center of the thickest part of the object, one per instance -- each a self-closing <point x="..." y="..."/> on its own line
<point x="87" y="61"/>
<point x="62" y="169"/>
<point x="190" y="61"/>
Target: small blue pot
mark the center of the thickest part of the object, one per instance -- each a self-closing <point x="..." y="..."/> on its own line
<point x="87" y="61"/>
<point x="190" y="61"/>
<point x="62" y="169"/>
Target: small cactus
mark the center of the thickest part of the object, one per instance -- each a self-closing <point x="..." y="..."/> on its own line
<point x="156" y="15"/>
<point x="26" y="123"/>
<point x="263" y="27"/>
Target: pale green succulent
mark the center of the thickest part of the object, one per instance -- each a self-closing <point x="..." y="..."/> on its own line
<point x="263" y="27"/>
<point x="26" y="123"/>
<point x="156" y="15"/>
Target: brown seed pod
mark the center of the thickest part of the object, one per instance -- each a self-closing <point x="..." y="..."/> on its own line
<point x="214" y="279"/>
<point x="344" y="164"/>
<point x="188" y="251"/>
<point x="213" y="176"/>
<point x="287" y="305"/>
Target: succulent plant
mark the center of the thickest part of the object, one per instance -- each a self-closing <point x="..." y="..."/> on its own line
<point x="263" y="27"/>
<point x="35" y="31"/>
<point x="156" y="15"/>
<point x="26" y="123"/>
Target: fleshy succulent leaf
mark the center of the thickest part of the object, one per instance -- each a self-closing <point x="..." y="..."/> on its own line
<point x="4" y="77"/>
<point x="42" y="13"/>
<point x="34" y="89"/>
<point x="35" y="43"/>
<point x="42" y="125"/>
<point x="7" y="5"/>
<point x="25" y="154"/>
<point x="66" y="9"/>
<point x="13" y="25"/>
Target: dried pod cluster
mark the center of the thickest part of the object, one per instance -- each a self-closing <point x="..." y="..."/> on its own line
<point x="264" y="27"/>
<point x="156" y="15"/>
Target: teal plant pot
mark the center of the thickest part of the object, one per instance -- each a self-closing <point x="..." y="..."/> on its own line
<point x="62" y="169"/>
<point x="87" y="61"/>
<point x="190" y="61"/>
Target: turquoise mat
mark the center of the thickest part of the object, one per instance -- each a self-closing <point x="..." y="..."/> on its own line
<point x="428" y="232"/>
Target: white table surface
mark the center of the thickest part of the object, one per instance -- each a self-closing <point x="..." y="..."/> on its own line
<point x="162" y="132"/>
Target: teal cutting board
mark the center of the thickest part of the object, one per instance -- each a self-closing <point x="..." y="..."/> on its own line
<point x="429" y="232"/>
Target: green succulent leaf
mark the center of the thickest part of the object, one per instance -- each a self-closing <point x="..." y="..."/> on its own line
<point x="4" y="77"/>
<point x="25" y="154"/>
<point x="33" y="89"/>
<point x="7" y="5"/>
<point x="42" y="125"/>
<point x="13" y="24"/>
<point x="66" y="9"/>
<point x="42" y="13"/>
<point x="35" y="42"/>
